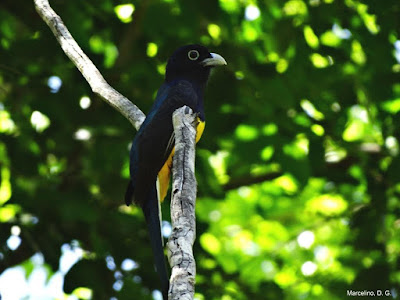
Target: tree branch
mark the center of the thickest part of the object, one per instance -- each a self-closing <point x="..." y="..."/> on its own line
<point x="184" y="188"/>
<point x="92" y="75"/>
<point x="180" y="243"/>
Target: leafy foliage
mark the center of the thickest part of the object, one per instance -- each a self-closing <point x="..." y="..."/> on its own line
<point x="299" y="194"/>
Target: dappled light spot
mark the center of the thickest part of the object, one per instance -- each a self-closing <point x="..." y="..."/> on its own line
<point x="310" y="37"/>
<point x="269" y="268"/>
<point x="282" y="65"/>
<point x="161" y="68"/>
<point x="318" y="129"/>
<point x="110" y="55"/>
<point x="392" y="145"/>
<point x="396" y="67"/>
<point x="96" y="43"/>
<point x="239" y="75"/>
<point x="262" y="169"/>
<point x="310" y="110"/>
<point x="287" y="183"/>
<point x="357" y="53"/>
<point x="333" y="152"/>
<point x="298" y="149"/>
<point x="295" y="7"/>
<point x="152" y="49"/>
<point x="166" y="229"/>
<point x="251" y="249"/>
<point x="270" y="129"/>
<point x="232" y="230"/>
<point x="302" y="120"/>
<point x="335" y="107"/>
<point x="391" y="106"/>
<point x="360" y="127"/>
<point x="118" y="285"/>
<point x="124" y="12"/>
<point x="273" y="57"/>
<point x="16" y="230"/>
<point x="369" y="19"/>
<point x="83" y="293"/>
<point x="7" y="125"/>
<point x="9" y="212"/>
<point x="28" y="219"/>
<point x="246" y="132"/>
<point x="156" y="294"/>
<point x="214" y="215"/>
<point x="54" y="83"/>
<point x="320" y="61"/>
<point x="243" y="242"/>
<point x="286" y="277"/>
<point x="85" y="102"/>
<point x="214" y="31"/>
<point x="244" y="192"/>
<point x="252" y="12"/>
<point x="357" y="173"/>
<point x="210" y="243"/>
<point x="306" y="239"/>
<point x="218" y="163"/>
<point x="230" y="6"/>
<point x="250" y="33"/>
<point x="82" y="134"/>
<point x="329" y="38"/>
<point x="94" y="189"/>
<point x="349" y="68"/>
<point x="308" y="268"/>
<point x="39" y="121"/>
<point x="323" y="255"/>
<point x="5" y="185"/>
<point x="110" y="263"/>
<point x="269" y="233"/>
<point x="327" y="204"/>
<point x="71" y="254"/>
<point x="341" y="33"/>
<point x="208" y="263"/>
<point x="13" y="242"/>
<point x="107" y="48"/>
<point x="53" y="165"/>
<point x="397" y="50"/>
<point x="267" y="153"/>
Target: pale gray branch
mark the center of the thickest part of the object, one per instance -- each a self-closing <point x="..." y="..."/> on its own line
<point x="92" y="75"/>
<point x="184" y="188"/>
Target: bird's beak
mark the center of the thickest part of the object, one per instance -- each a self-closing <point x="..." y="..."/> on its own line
<point x="214" y="61"/>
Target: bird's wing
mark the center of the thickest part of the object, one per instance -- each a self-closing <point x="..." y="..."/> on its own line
<point x="155" y="140"/>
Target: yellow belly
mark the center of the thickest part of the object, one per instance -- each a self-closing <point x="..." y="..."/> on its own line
<point x="165" y="172"/>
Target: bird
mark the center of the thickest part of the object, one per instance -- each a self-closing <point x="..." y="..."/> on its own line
<point x="186" y="75"/>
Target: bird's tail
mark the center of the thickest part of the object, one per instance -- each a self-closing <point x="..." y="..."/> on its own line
<point x="151" y="212"/>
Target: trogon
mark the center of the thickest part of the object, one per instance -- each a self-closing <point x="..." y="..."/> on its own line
<point x="186" y="75"/>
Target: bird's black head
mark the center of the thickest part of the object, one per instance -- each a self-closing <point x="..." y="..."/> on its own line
<point x="193" y="63"/>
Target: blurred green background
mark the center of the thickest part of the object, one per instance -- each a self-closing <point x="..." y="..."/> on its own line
<point x="298" y="170"/>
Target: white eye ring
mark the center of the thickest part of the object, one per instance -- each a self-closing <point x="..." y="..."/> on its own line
<point x="193" y="54"/>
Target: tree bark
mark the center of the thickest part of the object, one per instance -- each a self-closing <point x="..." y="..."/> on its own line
<point x="184" y="188"/>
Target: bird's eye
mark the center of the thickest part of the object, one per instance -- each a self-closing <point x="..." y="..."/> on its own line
<point x="193" y="54"/>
